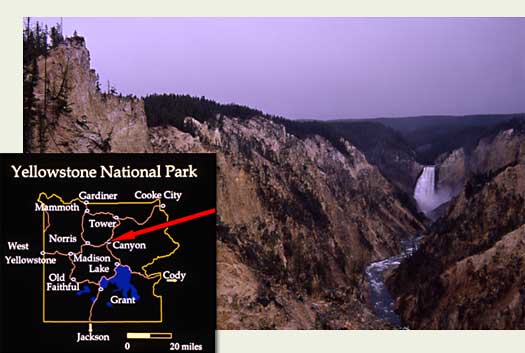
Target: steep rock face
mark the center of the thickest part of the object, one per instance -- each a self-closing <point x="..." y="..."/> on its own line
<point x="384" y="148"/>
<point x="469" y="272"/>
<point x="452" y="172"/>
<point x="298" y="219"/>
<point x="493" y="153"/>
<point x="301" y="217"/>
<point x="398" y="166"/>
<point x="487" y="289"/>
<point x="96" y="122"/>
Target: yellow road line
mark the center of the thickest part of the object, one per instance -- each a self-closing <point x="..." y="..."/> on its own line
<point x="143" y="267"/>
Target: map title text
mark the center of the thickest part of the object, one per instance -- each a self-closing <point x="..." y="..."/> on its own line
<point x="105" y="171"/>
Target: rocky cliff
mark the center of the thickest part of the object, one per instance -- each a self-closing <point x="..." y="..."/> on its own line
<point x="96" y="122"/>
<point x="384" y="148"/>
<point x="298" y="219"/>
<point x="301" y="214"/>
<point x="452" y="172"/>
<point x="396" y="164"/>
<point x="469" y="272"/>
<point x="500" y="148"/>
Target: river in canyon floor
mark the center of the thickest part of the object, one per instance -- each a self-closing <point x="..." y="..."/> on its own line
<point x="380" y="297"/>
<point x="427" y="199"/>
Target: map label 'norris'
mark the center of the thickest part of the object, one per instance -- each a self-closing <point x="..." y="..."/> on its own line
<point x="54" y="238"/>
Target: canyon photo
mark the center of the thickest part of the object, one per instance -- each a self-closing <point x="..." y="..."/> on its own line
<point x="338" y="219"/>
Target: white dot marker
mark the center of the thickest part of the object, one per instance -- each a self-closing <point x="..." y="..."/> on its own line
<point x="100" y="289"/>
<point x="115" y="217"/>
<point x="73" y="279"/>
<point x="42" y="253"/>
<point x="86" y="202"/>
<point x="86" y="210"/>
<point x="88" y="242"/>
<point x="70" y="253"/>
<point x="162" y="205"/>
<point x="117" y="264"/>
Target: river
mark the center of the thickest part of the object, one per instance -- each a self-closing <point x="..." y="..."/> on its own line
<point x="382" y="302"/>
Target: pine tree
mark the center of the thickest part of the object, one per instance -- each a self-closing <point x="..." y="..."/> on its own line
<point x="42" y="116"/>
<point x="30" y="72"/>
<point x="36" y="45"/>
<point x="59" y="96"/>
<point x="56" y="36"/>
<point x="97" y="82"/>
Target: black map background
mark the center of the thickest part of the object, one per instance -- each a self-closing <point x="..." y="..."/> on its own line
<point x="189" y="307"/>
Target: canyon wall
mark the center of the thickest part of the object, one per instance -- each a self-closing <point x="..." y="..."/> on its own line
<point x="298" y="219"/>
<point x="469" y="272"/>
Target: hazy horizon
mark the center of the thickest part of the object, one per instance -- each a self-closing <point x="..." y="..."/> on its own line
<point x="317" y="68"/>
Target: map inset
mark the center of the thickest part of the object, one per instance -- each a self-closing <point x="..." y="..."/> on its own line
<point x="110" y="278"/>
<point x="114" y="262"/>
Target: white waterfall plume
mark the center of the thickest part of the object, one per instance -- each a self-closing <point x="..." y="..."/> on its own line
<point x="425" y="193"/>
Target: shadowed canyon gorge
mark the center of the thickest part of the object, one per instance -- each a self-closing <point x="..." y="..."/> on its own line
<point x="345" y="224"/>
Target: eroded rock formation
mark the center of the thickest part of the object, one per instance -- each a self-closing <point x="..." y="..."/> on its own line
<point x="298" y="219"/>
<point x="470" y="273"/>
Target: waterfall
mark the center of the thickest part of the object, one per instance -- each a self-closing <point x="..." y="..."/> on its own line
<point x="425" y="192"/>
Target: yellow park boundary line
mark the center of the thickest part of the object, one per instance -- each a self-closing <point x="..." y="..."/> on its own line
<point x="153" y="275"/>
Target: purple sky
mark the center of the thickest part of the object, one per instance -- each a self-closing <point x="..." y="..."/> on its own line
<point x="317" y="67"/>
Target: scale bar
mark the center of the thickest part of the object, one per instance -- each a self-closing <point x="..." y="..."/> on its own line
<point x="149" y="335"/>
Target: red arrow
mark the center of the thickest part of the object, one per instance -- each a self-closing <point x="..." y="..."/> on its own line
<point x="132" y="233"/>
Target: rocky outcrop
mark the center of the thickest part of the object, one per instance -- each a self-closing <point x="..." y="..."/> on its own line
<point x="451" y="172"/>
<point x="298" y="219"/>
<point x="92" y="121"/>
<point x="302" y="219"/>
<point x="499" y="150"/>
<point x="469" y="272"/>
<point x="487" y="289"/>
<point x="398" y="166"/>
<point x="384" y="148"/>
